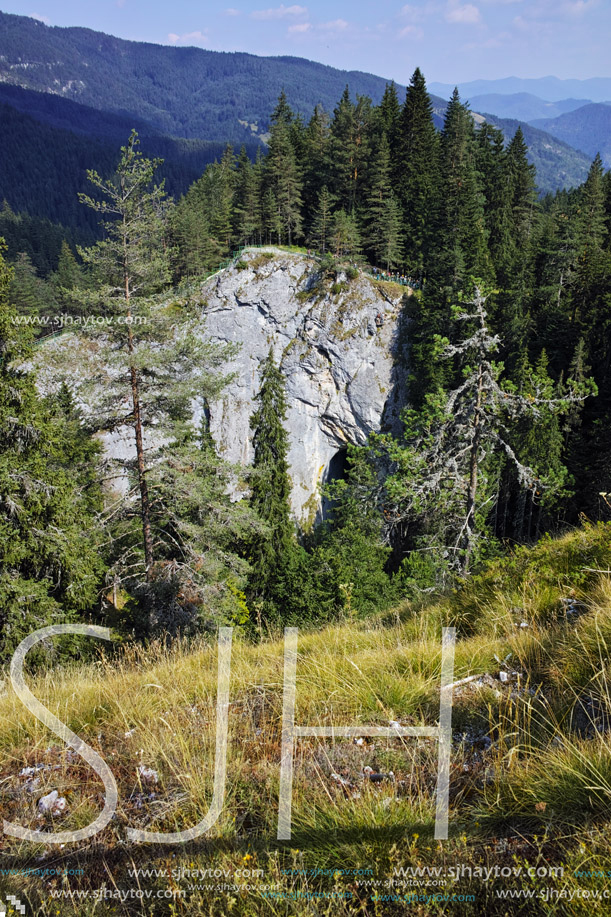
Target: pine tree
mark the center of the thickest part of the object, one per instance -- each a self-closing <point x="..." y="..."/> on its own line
<point x="491" y="166"/>
<point x="136" y="266"/>
<point x="343" y="153"/>
<point x="271" y="221"/>
<point x="202" y="536"/>
<point x="363" y="122"/>
<point x="146" y="360"/>
<point x="316" y="173"/>
<point x="591" y="314"/>
<point x="196" y="251"/>
<point x="322" y="223"/>
<point x="221" y="191"/>
<point x="462" y="238"/>
<point x="29" y="294"/>
<point x="458" y="251"/>
<point x="389" y="115"/>
<point x="247" y="202"/>
<point x="522" y="189"/>
<point x="345" y="236"/>
<point x="447" y="472"/>
<point x="283" y="174"/>
<point x="67" y="277"/>
<point x="50" y="569"/>
<point x="349" y="554"/>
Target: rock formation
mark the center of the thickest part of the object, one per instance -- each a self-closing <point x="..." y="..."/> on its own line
<point x="336" y="341"/>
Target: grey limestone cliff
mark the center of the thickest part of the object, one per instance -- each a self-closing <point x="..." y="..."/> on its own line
<point x="336" y="341"/>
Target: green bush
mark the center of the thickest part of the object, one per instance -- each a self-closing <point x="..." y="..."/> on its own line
<point x="328" y="264"/>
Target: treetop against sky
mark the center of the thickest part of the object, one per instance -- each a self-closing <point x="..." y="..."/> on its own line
<point x="451" y="40"/>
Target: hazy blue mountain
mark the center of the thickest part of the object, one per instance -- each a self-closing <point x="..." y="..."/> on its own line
<point x="587" y="129"/>
<point x="547" y="87"/>
<point x="558" y="164"/>
<point x="523" y="105"/>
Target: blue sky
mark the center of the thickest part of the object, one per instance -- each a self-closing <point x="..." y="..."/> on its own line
<point x="451" y="40"/>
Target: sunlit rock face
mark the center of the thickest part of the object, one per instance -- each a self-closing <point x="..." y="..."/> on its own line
<point x="338" y="345"/>
<point x="337" y="341"/>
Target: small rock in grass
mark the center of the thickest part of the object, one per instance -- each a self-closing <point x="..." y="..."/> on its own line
<point x="52" y="804"/>
<point x="148" y="774"/>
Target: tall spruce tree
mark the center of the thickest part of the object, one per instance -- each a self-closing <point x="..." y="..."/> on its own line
<point x="383" y="218"/>
<point x="283" y="174"/>
<point x="247" y="202"/>
<point x="315" y="162"/>
<point x="462" y="237"/>
<point x="389" y="115"/>
<point x="416" y="173"/>
<point x="196" y="251"/>
<point x="343" y="152"/>
<point x="322" y="222"/>
<point x="221" y="190"/>
<point x="496" y="188"/>
<point x="345" y="235"/>
<point x="518" y="282"/>
<point x="270" y="487"/>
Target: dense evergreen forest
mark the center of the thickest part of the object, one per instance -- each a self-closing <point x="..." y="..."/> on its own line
<point x="48" y="143"/>
<point x="506" y="430"/>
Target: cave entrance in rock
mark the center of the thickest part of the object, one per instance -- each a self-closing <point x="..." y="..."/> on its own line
<point x="336" y="470"/>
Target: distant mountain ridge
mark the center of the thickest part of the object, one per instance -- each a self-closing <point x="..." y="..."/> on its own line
<point x="523" y="105"/>
<point x="588" y="129"/>
<point x="551" y="88"/>
<point x="69" y="98"/>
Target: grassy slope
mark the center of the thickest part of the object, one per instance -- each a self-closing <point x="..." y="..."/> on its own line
<point x="539" y="793"/>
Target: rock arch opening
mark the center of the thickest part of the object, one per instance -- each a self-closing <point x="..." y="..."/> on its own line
<point x="336" y="470"/>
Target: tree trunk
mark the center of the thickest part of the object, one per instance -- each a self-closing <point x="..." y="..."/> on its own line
<point x="520" y="514"/>
<point x="145" y="511"/>
<point x="473" y="471"/>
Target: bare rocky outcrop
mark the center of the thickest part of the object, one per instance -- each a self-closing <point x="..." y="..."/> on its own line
<point x="336" y="342"/>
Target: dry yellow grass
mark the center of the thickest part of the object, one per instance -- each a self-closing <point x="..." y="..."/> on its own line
<point x="156" y="707"/>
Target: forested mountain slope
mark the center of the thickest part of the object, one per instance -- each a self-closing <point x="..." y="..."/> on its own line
<point x="47" y="143"/>
<point x="558" y="165"/>
<point x="587" y="129"/>
<point x="186" y="92"/>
